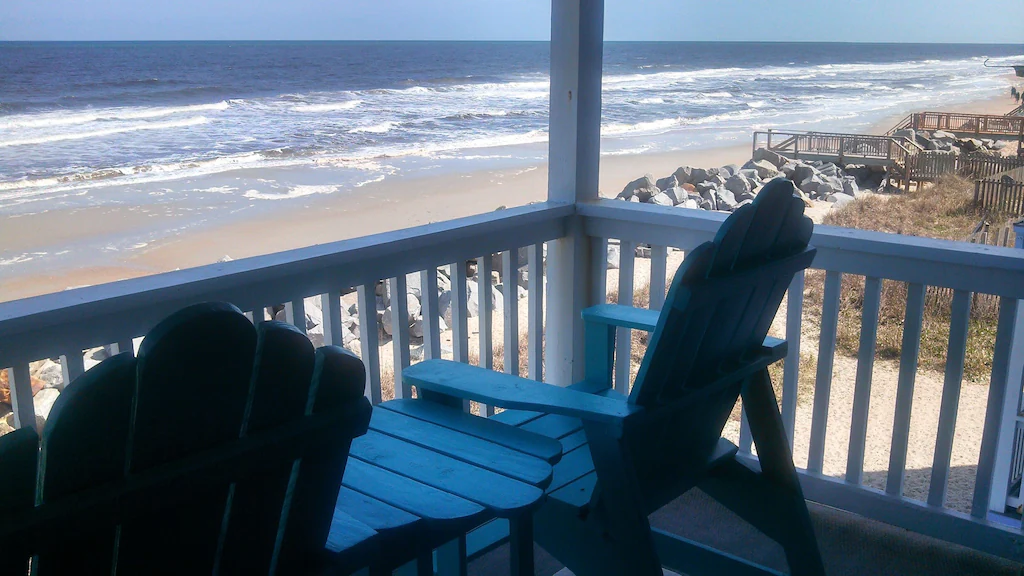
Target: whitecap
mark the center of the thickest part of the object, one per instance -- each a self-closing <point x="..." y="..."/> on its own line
<point x="54" y="119"/>
<point x="382" y="128"/>
<point x="293" y="192"/>
<point x="329" y="107"/>
<point x="106" y="132"/>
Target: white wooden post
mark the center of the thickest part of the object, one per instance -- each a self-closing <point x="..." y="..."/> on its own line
<point x="574" y="153"/>
<point x="1014" y="374"/>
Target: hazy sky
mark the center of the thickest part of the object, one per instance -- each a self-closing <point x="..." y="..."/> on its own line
<point x="792" y="20"/>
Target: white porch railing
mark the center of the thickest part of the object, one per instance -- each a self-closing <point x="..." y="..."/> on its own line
<point x="67" y="323"/>
<point x="920" y="262"/>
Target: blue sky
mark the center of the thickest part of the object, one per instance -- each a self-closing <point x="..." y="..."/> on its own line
<point x="782" y="20"/>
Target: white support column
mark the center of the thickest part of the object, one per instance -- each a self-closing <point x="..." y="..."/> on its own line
<point x="574" y="153"/>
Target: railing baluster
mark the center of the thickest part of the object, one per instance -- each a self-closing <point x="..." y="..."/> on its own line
<point x="460" y="313"/>
<point x="295" y="314"/>
<point x="333" y="317"/>
<point x="484" y="308"/>
<point x="510" y="326"/>
<point x="791" y="368"/>
<point x="20" y="383"/>
<point x="400" y="332"/>
<point x="950" y="396"/>
<point x="429" y="309"/>
<point x="862" y="390"/>
<point x="599" y="268"/>
<point x="823" y="378"/>
<point x="1003" y="400"/>
<point x="623" y="335"/>
<point x="910" y="349"/>
<point x="72" y="366"/>
<point x="368" y="339"/>
<point x="659" y="263"/>
<point x="535" y="312"/>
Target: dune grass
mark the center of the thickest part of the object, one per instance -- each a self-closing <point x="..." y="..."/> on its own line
<point x="944" y="211"/>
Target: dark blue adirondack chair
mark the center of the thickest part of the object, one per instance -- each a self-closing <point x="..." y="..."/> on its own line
<point x="219" y="449"/>
<point x="627" y="457"/>
<point x="226" y="448"/>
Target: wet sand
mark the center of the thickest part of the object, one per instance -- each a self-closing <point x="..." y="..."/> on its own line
<point x="397" y="202"/>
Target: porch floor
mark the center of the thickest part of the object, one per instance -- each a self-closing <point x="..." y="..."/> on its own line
<point x="851" y="545"/>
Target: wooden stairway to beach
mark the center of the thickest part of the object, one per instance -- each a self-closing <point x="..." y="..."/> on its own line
<point x="1010" y="126"/>
<point x="893" y="152"/>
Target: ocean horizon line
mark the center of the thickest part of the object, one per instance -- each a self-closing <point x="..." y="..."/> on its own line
<point x="506" y="41"/>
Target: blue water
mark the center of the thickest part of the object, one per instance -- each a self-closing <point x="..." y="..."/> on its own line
<point x="78" y="117"/>
<point x="192" y="134"/>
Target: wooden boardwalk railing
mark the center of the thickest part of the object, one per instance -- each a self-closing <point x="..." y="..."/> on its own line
<point x="841" y="148"/>
<point x="976" y="125"/>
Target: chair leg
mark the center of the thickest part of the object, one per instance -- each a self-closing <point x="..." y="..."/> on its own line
<point x="451" y="558"/>
<point x="777" y="468"/>
<point x="621" y="503"/>
<point x="521" y="545"/>
<point x="425" y="564"/>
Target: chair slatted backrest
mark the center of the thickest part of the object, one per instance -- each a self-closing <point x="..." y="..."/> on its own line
<point x="717" y="313"/>
<point x="191" y="458"/>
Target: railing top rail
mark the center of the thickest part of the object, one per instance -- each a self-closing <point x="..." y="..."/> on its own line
<point x="827" y="134"/>
<point x="962" y="115"/>
<point x="91" y="314"/>
<point x="945" y="263"/>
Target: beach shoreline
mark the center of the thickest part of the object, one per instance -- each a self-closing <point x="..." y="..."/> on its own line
<point x="396" y="202"/>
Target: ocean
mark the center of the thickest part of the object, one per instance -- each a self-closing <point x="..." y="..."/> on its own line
<point x="239" y="125"/>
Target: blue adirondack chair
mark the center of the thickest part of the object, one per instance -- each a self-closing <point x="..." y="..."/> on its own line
<point x="626" y="457"/>
<point x="232" y="449"/>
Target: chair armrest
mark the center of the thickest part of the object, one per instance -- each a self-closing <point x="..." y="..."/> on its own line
<point x="622" y="316"/>
<point x="512" y="392"/>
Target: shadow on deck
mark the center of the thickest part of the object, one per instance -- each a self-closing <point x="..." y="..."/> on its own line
<point x="850" y="544"/>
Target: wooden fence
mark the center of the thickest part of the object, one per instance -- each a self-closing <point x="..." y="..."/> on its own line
<point x="1003" y="195"/>
<point x="980" y="165"/>
<point x="982" y="305"/>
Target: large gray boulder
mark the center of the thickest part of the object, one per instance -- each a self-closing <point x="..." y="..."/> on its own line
<point x="473" y="301"/>
<point x="728" y="170"/>
<point x="839" y="200"/>
<point x="662" y="199"/>
<point x="850" y="186"/>
<point x="612" y="257"/>
<point x="907" y="133"/>
<point x="643" y="188"/>
<point x="829" y="169"/>
<point x="789" y="170"/>
<point x="703" y="175"/>
<point x="738" y="184"/>
<point x="776" y="159"/>
<point x="764" y="168"/>
<point x="705" y="187"/>
<point x="667" y="182"/>
<point x="710" y="197"/>
<point x="943" y="136"/>
<point x="677" y="194"/>
<point x="684" y="175"/>
<point x="726" y="199"/>
<point x="802" y="172"/>
<point x="688" y="203"/>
